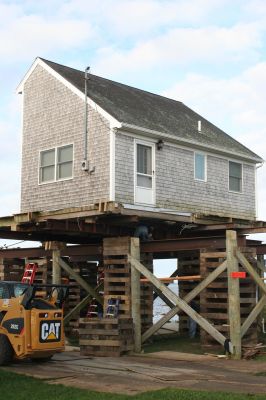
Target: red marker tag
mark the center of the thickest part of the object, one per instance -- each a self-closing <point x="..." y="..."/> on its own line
<point x="238" y="274"/>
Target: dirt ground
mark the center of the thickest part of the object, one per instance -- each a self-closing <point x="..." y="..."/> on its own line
<point x="140" y="373"/>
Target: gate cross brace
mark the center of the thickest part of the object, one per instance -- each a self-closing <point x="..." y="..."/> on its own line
<point x="182" y="304"/>
<point x="190" y="296"/>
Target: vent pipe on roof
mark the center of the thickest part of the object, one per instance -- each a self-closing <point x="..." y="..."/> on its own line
<point x="85" y="162"/>
<point x="199" y="126"/>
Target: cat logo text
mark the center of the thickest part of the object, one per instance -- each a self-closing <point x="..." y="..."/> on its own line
<point x="50" y="331"/>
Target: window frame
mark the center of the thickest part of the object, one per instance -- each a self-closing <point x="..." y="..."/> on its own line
<point x="241" y="179"/>
<point x="56" y="164"/>
<point x="205" y="166"/>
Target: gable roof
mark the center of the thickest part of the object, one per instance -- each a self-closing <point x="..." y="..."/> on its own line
<point x="135" y="107"/>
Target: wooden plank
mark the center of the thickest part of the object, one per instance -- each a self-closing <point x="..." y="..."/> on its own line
<point x="99" y="342"/>
<point x="215" y="254"/>
<point x="233" y="294"/>
<point x="117" y="279"/>
<point x="80" y="281"/>
<point x="179" y="302"/>
<point x="124" y="270"/>
<point x="253" y="315"/>
<point x="190" y="296"/>
<point x="118" y="261"/>
<point x="118" y="296"/>
<point x="176" y="278"/>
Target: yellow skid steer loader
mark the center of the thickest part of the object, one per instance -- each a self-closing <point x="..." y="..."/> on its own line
<point x="31" y="321"/>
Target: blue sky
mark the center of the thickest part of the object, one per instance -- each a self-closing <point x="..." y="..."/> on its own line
<point x="210" y="54"/>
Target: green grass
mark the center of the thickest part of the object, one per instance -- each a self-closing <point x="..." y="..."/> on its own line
<point x="174" y="343"/>
<point x="20" y="387"/>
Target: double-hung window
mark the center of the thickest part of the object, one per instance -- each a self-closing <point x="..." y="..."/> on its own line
<point x="56" y="164"/>
<point x="200" y="166"/>
<point x="235" y="176"/>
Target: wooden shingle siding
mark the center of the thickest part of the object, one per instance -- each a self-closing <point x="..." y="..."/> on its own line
<point x="175" y="184"/>
<point x="124" y="169"/>
<point x="54" y="116"/>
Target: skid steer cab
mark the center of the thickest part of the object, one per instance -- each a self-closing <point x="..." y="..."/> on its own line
<point x="31" y="321"/>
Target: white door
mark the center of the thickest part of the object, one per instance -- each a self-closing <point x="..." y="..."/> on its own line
<point x="144" y="173"/>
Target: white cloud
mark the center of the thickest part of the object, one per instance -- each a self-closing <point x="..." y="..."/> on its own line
<point x="184" y="46"/>
<point x="24" y="36"/>
<point x="135" y="18"/>
<point x="236" y="105"/>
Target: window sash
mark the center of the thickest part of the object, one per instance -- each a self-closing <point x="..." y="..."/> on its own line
<point x="47" y="158"/>
<point x="47" y="174"/>
<point x="144" y="159"/>
<point x="64" y="170"/>
<point x="235" y="176"/>
<point x="200" y="166"/>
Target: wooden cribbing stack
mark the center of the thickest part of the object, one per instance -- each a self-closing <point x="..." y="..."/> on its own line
<point x="106" y="336"/>
<point x="11" y="270"/>
<point x="113" y="334"/>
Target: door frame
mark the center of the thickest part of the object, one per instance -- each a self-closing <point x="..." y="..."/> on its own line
<point x="152" y="145"/>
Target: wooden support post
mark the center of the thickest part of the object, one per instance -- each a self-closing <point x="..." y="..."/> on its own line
<point x="56" y="267"/>
<point x="233" y="294"/>
<point x="56" y="248"/>
<point x="80" y="281"/>
<point x="135" y="295"/>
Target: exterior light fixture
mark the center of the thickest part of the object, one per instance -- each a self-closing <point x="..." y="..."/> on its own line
<point x="160" y="144"/>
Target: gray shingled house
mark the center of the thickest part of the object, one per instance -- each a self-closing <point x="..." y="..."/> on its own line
<point x="139" y="149"/>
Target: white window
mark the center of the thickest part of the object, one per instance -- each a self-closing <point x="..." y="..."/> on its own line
<point x="200" y="166"/>
<point x="235" y="176"/>
<point x="56" y="164"/>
